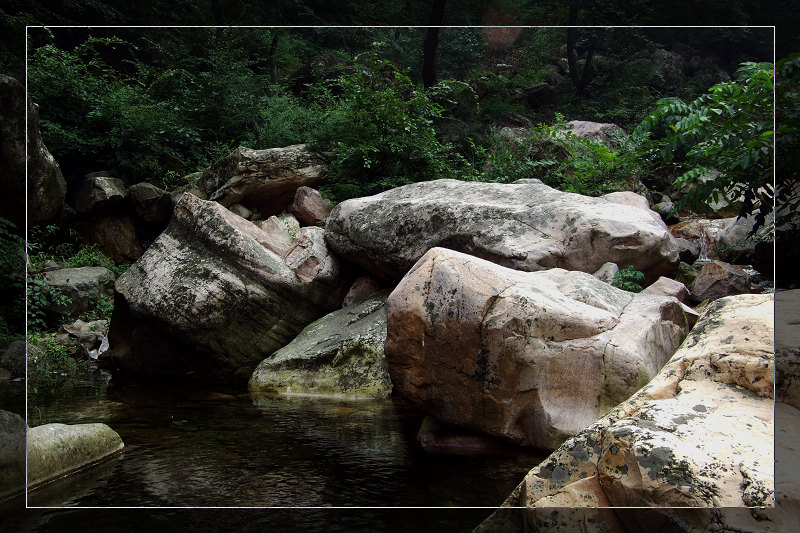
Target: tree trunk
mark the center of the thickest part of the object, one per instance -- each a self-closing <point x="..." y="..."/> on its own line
<point x="273" y="69"/>
<point x="431" y="44"/>
<point x="582" y="79"/>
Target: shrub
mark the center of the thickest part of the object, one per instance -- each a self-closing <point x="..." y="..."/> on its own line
<point x="628" y="279"/>
<point x="54" y="361"/>
<point x="41" y="296"/>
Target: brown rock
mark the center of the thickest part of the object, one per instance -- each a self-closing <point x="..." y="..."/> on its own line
<point x="717" y="279"/>
<point x="528" y="357"/>
<point x="310" y="208"/>
<point x="668" y="287"/>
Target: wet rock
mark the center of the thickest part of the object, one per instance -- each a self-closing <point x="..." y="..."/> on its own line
<point x="528" y="357"/>
<point x="703" y="232"/>
<point x="83" y="285"/>
<point x="717" y="279"/>
<point x="436" y="437"/>
<point x="361" y="289"/>
<point x="210" y="298"/>
<point x="54" y="450"/>
<point x="526" y="226"/>
<point x="151" y="204"/>
<point x="12" y="454"/>
<point x="664" y="209"/>
<point x="340" y="355"/>
<point x="688" y="251"/>
<point x="699" y="434"/>
<point x="310" y="208"/>
<point x="736" y="243"/>
<point x="263" y="180"/>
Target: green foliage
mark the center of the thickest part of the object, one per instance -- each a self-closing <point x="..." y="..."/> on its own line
<point x="283" y="119"/>
<point x="99" y="309"/>
<point x="728" y="129"/>
<point x="41" y="296"/>
<point x="51" y="243"/>
<point x="379" y="128"/>
<point x="12" y="282"/>
<point x="628" y="279"/>
<point x="53" y="362"/>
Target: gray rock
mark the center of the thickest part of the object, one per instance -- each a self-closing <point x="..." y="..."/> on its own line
<point x="607" y="272"/>
<point x="526" y="226"/>
<point x="99" y="191"/>
<point x="211" y="285"/>
<point x="12" y="454"/>
<point x="82" y="285"/>
<point x="241" y="210"/>
<point x="14" y="357"/>
<point x="263" y="180"/>
<point x="606" y="133"/>
<point x="55" y="450"/>
<point x="151" y="204"/>
<point x="339" y="355"/>
<point x="530" y="357"/>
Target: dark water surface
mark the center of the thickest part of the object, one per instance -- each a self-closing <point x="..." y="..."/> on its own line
<point x="188" y="447"/>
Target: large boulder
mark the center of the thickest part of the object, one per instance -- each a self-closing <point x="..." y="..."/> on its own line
<point x="700" y="434"/>
<point x="531" y="357"/>
<point x="339" y="355"/>
<point x="263" y="181"/>
<point x="55" y="450"/>
<point x="212" y="299"/>
<point x="604" y="132"/>
<point x="151" y="204"/>
<point x="524" y="225"/>
<point x="717" y="279"/>
<point x="99" y="191"/>
<point x="310" y="208"/>
<point x="46" y="186"/>
<point x="84" y="286"/>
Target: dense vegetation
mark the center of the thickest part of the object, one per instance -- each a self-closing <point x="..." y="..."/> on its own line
<point x="155" y="105"/>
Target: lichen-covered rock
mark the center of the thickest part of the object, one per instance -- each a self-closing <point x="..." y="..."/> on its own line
<point x="339" y="355"/>
<point x="699" y="434"/>
<point x="717" y="279"/>
<point x="525" y="225"/>
<point x="531" y="357"/>
<point x="263" y="180"/>
<point x="54" y="450"/>
<point x="82" y="285"/>
<point x="211" y="298"/>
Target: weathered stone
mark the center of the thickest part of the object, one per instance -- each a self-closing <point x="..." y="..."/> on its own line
<point x="528" y="357"/>
<point x="14" y="357"/>
<point x="665" y="210"/>
<point x="702" y="231"/>
<point x="668" y="287"/>
<point x="240" y="210"/>
<point x="12" y="454"/>
<point x="361" y="289"/>
<point x="99" y="191"/>
<point x="210" y="298"/>
<point x="339" y="355"/>
<point x="699" y="434"/>
<point x="89" y="335"/>
<point x="603" y="132"/>
<point x="54" y="450"/>
<point x="263" y="180"/>
<point x="629" y="198"/>
<point x="281" y="232"/>
<point x="46" y="187"/>
<point x="310" y="208"/>
<point x="540" y="95"/>
<point x="607" y="272"/>
<point x="151" y="204"/>
<point x="82" y="285"/>
<point x="115" y="235"/>
<point x="686" y="274"/>
<point x="717" y="279"/>
<point x="526" y="226"/>
<point x="787" y="347"/>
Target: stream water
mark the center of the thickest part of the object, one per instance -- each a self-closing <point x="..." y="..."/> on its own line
<point x="188" y="447"/>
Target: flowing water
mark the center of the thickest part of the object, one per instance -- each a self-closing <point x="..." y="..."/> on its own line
<point x="198" y="448"/>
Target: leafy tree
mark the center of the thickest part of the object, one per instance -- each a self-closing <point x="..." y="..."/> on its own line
<point x="730" y="130"/>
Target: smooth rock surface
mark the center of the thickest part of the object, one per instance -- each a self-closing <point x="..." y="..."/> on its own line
<point x="310" y="208"/>
<point x="55" y="450"/>
<point x="339" y="355"/>
<point x="529" y="357"/>
<point x="699" y="434"/>
<point x="263" y="180"/>
<point x="211" y="299"/>
<point x="526" y="226"/>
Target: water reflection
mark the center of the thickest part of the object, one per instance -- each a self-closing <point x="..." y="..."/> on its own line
<point x="199" y="448"/>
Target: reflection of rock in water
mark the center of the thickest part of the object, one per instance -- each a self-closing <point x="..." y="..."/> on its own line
<point x="72" y="489"/>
